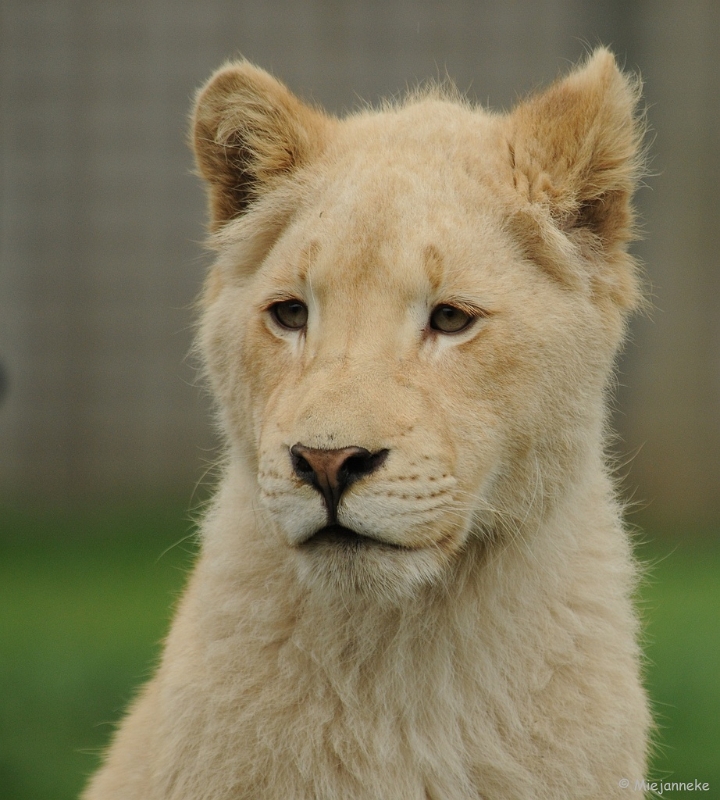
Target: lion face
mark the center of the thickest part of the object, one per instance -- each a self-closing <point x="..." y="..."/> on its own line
<point x="393" y="358"/>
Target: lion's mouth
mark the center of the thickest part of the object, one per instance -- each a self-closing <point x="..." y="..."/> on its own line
<point x="340" y="536"/>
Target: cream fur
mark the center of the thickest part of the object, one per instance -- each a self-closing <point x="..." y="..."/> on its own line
<point x="493" y="653"/>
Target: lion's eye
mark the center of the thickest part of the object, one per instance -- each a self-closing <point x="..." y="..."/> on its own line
<point x="291" y="314"/>
<point x="450" y="319"/>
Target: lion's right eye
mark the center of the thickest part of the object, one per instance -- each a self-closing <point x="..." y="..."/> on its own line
<point x="450" y="319"/>
<point x="290" y="314"/>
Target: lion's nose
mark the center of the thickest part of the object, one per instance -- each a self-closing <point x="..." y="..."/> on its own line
<point x="332" y="471"/>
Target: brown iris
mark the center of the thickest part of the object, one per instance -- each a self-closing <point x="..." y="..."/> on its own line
<point x="450" y="319"/>
<point x="290" y="314"/>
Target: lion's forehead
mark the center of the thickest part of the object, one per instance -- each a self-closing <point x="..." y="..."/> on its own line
<point x="392" y="240"/>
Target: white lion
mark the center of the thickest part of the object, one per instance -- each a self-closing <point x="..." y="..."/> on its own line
<point x="414" y="582"/>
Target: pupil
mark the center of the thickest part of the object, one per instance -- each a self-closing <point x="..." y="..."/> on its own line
<point x="291" y="313"/>
<point x="449" y="319"/>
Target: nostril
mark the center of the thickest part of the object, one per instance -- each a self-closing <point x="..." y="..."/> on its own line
<point x="355" y="465"/>
<point x="300" y="465"/>
<point x="361" y="464"/>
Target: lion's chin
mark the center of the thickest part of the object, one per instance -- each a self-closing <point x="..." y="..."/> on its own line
<point x="339" y="561"/>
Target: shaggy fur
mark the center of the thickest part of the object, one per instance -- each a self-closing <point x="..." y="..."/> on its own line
<point x="475" y="638"/>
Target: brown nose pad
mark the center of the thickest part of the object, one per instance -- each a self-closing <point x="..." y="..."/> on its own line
<point x="332" y="471"/>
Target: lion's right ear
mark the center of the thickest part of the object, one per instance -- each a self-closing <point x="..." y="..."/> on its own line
<point x="248" y="132"/>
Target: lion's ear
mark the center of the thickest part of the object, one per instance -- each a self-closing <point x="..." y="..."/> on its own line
<point x="576" y="154"/>
<point x="248" y="132"/>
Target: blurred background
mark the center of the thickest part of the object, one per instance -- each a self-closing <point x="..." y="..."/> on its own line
<point x="104" y="432"/>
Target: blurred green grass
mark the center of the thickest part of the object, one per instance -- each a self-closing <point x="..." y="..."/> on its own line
<point x="85" y="600"/>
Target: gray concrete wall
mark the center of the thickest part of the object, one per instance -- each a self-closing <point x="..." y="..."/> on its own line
<point x="100" y="254"/>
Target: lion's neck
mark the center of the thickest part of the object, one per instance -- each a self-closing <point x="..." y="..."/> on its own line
<point x="298" y="675"/>
<point x="348" y="640"/>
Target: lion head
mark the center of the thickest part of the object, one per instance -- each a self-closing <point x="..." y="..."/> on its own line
<point x="414" y="312"/>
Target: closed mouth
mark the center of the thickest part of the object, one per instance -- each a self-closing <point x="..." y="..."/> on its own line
<point x="340" y="536"/>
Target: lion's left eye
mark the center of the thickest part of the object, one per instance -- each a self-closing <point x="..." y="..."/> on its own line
<point x="291" y="314"/>
<point x="450" y="319"/>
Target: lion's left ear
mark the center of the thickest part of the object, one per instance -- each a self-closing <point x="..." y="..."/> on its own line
<point x="576" y="154"/>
